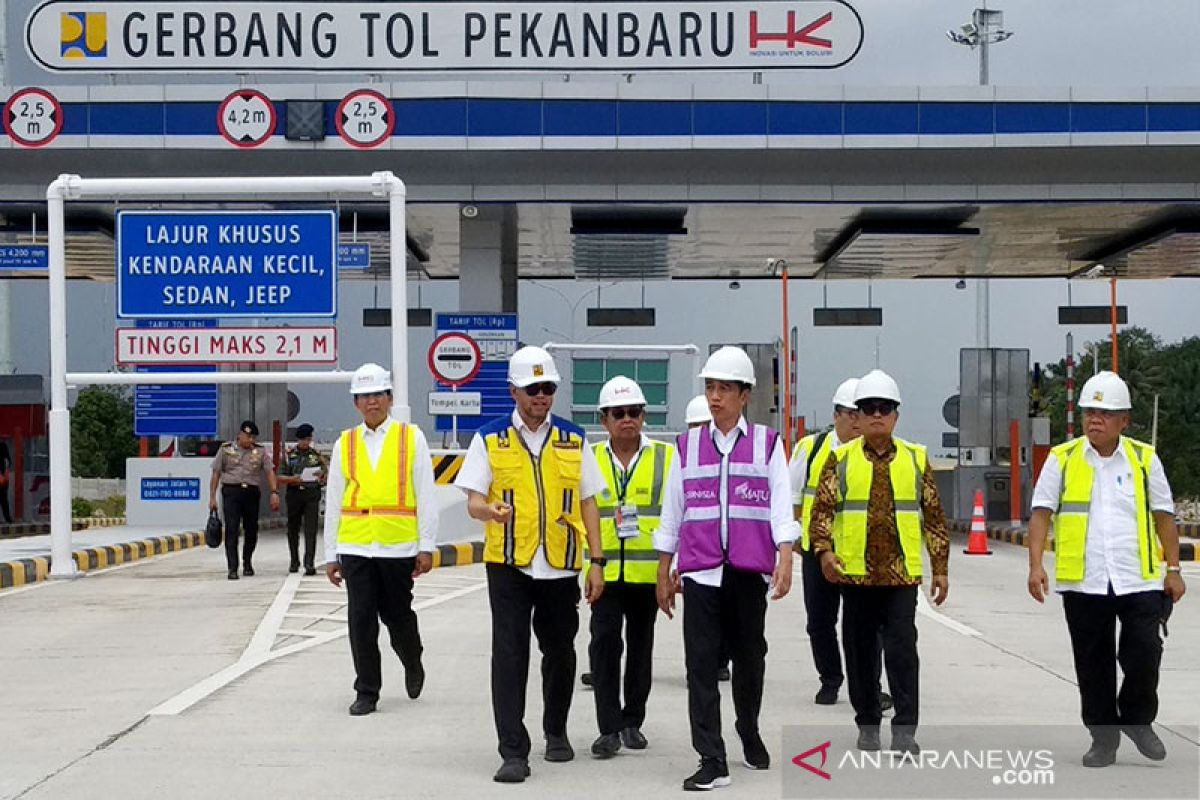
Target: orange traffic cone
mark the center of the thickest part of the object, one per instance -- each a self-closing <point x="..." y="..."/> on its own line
<point x="977" y="540"/>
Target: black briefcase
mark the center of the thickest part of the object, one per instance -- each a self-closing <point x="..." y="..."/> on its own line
<point x="212" y="531"/>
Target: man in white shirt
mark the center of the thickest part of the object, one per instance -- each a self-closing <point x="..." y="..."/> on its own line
<point x="380" y="532"/>
<point x="728" y="513"/>
<point x="1112" y="508"/>
<point x="531" y="478"/>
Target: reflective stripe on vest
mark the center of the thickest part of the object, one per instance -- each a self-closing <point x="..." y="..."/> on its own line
<point x="1071" y="520"/>
<point x="812" y="478"/>
<point x="543" y="491"/>
<point x="632" y="560"/>
<point x="379" y="502"/>
<point x="855" y="472"/>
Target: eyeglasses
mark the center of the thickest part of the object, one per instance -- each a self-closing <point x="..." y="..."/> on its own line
<point x="850" y="412"/>
<point x="883" y="408"/>
<point x="547" y="388"/>
<point x="633" y="412"/>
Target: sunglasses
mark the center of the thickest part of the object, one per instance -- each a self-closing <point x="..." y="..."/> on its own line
<point x="870" y="408"/>
<point x="633" y="412"/>
<point x="547" y="388"/>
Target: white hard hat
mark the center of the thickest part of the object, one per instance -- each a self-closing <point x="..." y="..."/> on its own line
<point x="877" y="384"/>
<point x="370" y="378"/>
<point x="1105" y="390"/>
<point x="531" y="365"/>
<point x="844" y="396"/>
<point x="729" y="364"/>
<point x="697" y="410"/>
<point x="621" y="391"/>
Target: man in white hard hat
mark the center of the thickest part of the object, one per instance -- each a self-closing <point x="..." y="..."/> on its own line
<point x="381" y="521"/>
<point x="697" y="413"/>
<point x="876" y="500"/>
<point x="1114" y="521"/>
<point x="532" y="479"/>
<point x="728" y="514"/>
<point x="635" y="469"/>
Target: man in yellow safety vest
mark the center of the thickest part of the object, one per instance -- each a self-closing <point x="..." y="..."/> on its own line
<point x="1114" y="521"/>
<point x="380" y="532"/>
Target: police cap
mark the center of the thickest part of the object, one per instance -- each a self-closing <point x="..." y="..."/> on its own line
<point x="249" y="427"/>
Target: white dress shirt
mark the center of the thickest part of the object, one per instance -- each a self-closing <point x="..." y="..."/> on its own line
<point x="798" y="470"/>
<point x="1111" y="554"/>
<point x="784" y="528"/>
<point x="427" y="507"/>
<point x="476" y="476"/>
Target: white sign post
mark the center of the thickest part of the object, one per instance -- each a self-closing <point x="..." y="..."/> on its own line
<point x="454" y="359"/>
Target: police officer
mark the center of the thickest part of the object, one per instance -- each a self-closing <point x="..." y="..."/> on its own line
<point x="1112" y="509"/>
<point x="634" y="469"/>
<point x="239" y="469"/>
<point x="728" y="514"/>
<point x="381" y="522"/>
<point x="876" y="500"/>
<point x="304" y="472"/>
<point x="532" y="480"/>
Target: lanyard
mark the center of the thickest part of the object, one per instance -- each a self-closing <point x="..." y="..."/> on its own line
<point x="622" y="481"/>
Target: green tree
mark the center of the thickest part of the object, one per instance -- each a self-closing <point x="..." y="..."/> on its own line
<point x="102" y="433"/>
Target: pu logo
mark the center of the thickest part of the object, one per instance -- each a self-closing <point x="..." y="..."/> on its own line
<point x="83" y="34"/>
<point x="538" y="371"/>
<point x="793" y="36"/>
<point x="1098" y="397"/>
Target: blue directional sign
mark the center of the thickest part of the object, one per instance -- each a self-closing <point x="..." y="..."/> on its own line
<point x="187" y="264"/>
<point x="175" y="409"/>
<point x="24" y="256"/>
<point x="496" y="335"/>
<point x="354" y="256"/>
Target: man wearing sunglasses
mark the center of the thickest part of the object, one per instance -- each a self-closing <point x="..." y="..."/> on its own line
<point x="728" y="513"/>
<point x="876" y="500"/>
<point x="532" y="480"/>
<point x="1114" y="522"/>
<point x="634" y="469"/>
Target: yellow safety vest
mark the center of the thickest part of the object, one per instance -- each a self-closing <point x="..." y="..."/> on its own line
<point x="632" y="560"/>
<point x="823" y="442"/>
<point x="855" y="472"/>
<point x="543" y="491"/>
<point x="1071" y="521"/>
<point x="379" y="505"/>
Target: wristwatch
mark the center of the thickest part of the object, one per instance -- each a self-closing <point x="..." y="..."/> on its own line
<point x="599" y="561"/>
<point x="1175" y="568"/>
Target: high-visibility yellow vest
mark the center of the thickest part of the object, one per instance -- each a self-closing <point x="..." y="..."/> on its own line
<point x="1071" y="521"/>
<point x="855" y="472"/>
<point x="379" y="505"/>
<point x="543" y="491"/>
<point x="633" y="560"/>
<point x="823" y="442"/>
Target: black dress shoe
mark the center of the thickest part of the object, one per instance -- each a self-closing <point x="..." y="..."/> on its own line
<point x="233" y="576"/>
<point x="1146" y="741"/>
<point x="723" y="674"/>
<point x="885" y="701"/>
<point x="868" y="739"/>
<point x="606" y="745"/>
<point x="1101" y="754"/>
<point x="513" y="770"/>
<point x="905" y="744"/>
<point x="362" y="706"/>
<point x="310" y="571"/>
<point x="558" y="749"/>
<point x="633" y="739"/>
<point x="586" y="679"/>
<point x="248" y="571"/>
<point x="414" y="680"/>
<point x="826" y="695"/>
<point x="293" y="567"/>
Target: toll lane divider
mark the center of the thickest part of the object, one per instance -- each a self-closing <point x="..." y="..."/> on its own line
<point x="1020" y="536"/>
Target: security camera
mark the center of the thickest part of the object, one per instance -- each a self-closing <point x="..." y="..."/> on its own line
<point x="772" y="263"/>
<point x="1094" y="271"/>
<point x="470" y="211"/>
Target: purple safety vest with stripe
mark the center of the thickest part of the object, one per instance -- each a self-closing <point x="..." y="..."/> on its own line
<point x="745" y="476"/>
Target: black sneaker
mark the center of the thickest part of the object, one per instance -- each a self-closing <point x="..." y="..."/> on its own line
<point x="558" y="749"/>
<point x="885" y="701"/>
<point x="755" y="752"/>
<point x="248" y="571"/>
<point x="868" y="739"/>
<point x="723" y="674"/>
<point x="362" y="706"/>
<point x="633" y="739"/>
<point x="233" y="576"/>
<point x="827" y="695"/>
<point x="905" y="744"/>
<point x="586" y="679"/>
<point x="1146" y="741"/>
<point x="414" y="680"/>
<point x="513" y="770"/>
<point x="606" y="745"/>
<point x="310" y="570"/>
<point x="712" y="774"/>
<point x="1100" y="754"/>
<point x="293" y="567"/>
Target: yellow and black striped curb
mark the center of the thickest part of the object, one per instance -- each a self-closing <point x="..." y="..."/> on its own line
<point x="458" y="555"/>
<point x="446" y="467"/>
<point x="89" y="559"/>
<point x="1020" y="536"/>
<point x="19" y="529"/>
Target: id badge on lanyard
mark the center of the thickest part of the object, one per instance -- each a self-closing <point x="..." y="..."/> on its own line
<point x="627" y="521"/>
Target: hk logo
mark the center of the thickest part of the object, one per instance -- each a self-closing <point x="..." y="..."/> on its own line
<point x="83" y="34"/>
<point x="819" y="770"/>
<point x="792" y="37"/>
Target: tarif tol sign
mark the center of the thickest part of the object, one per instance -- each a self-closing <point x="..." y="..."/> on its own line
<point x="492" y="35"/>
<point x="184" y="265"/>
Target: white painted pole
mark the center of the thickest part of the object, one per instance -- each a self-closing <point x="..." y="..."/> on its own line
<point x="1154" y="425"/>
<point x="398" y="252"/>
<point x="61" y="563"/>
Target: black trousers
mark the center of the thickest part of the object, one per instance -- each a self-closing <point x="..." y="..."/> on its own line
<point x="1092" y="622"/>
<point x="241" y="512"/>
<point x="821" y="602"/>
<point x="868" y="613"/>
<point x="303" y="504"/>
<point x="553" y="606"/>
<point x="728" y="618"/>
<point x="379" y="589"/>
<point x="4" y="503"/>
<point x="635" y="606"/>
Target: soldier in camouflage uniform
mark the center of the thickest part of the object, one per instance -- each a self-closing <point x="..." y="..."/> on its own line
<point x="304" y="471"/>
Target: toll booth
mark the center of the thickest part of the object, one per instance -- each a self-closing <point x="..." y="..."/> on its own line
<point x="24" y="445"/>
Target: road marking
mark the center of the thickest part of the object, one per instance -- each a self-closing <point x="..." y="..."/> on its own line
<point x="259" y="651"/>
<point x="926" y="610"/>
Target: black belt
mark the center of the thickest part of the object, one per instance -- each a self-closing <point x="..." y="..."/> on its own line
<point x="246" y="486"/>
